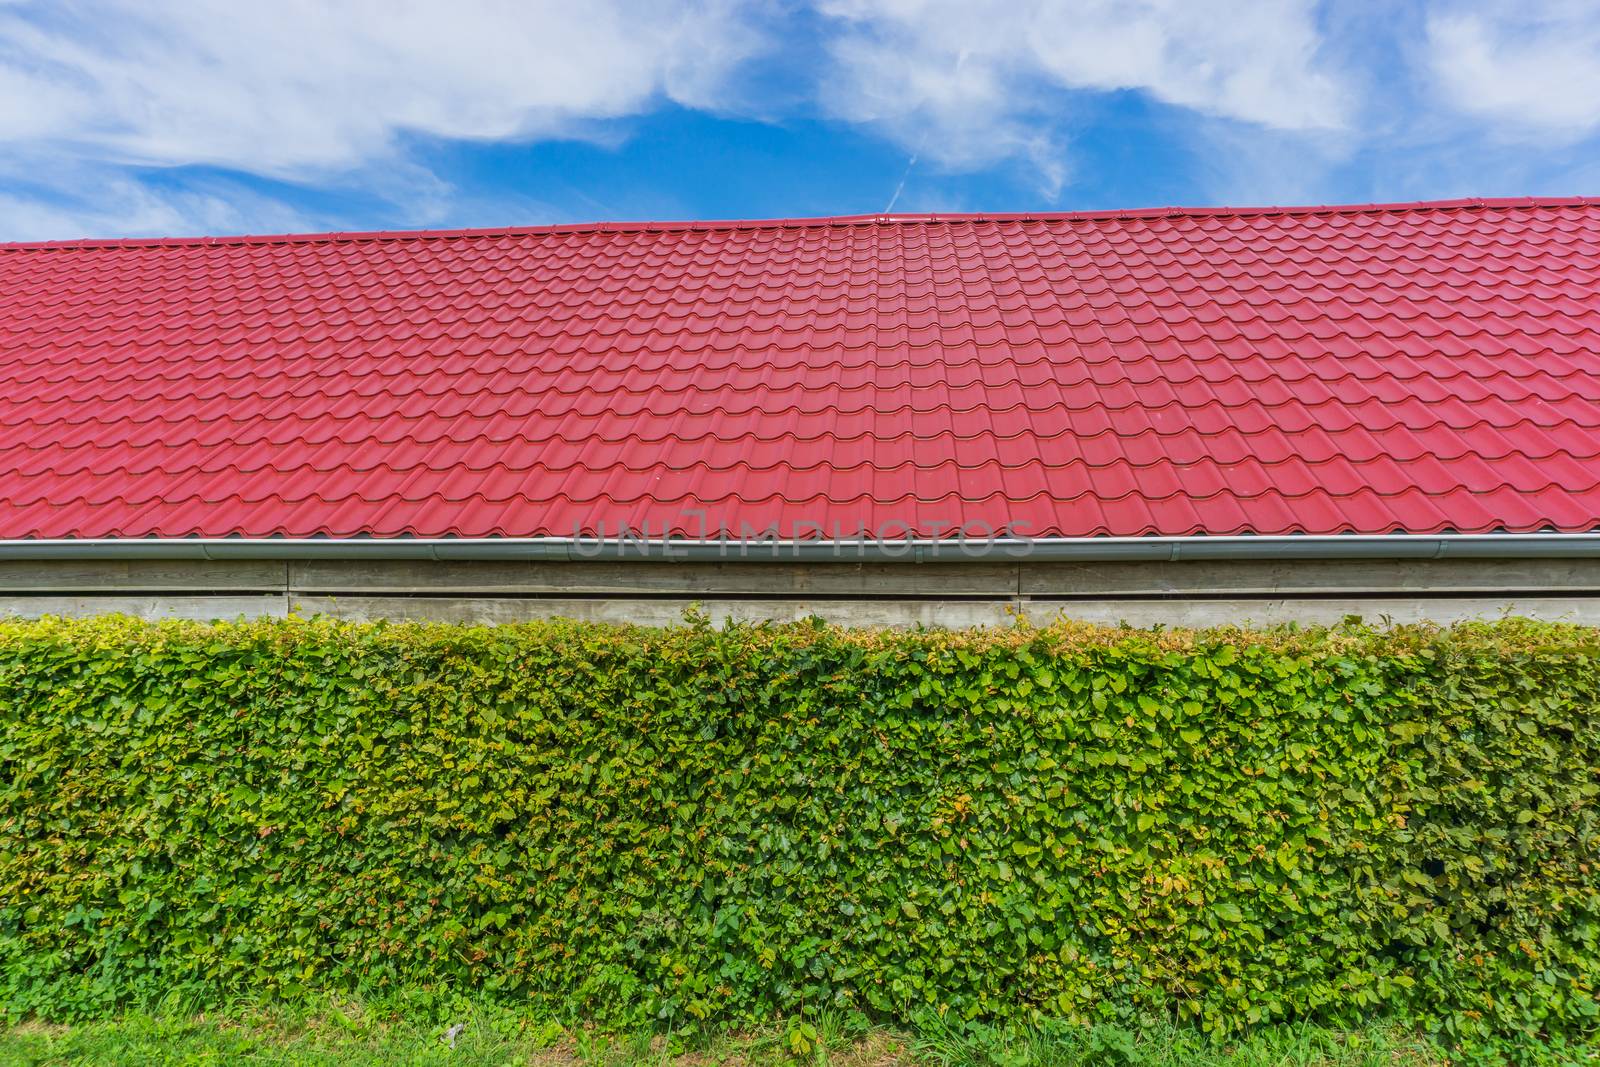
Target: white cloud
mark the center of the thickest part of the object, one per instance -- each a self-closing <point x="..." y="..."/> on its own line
<point x="316" y="92"/>
<point x="298" y="86"/>
<point x="164" y="116"/>
<point x="116" y="204"/>
<point x="1529" y="67"/>
<point x="971" y="83"/>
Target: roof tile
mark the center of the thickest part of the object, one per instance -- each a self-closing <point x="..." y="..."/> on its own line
<point x="1415" y="368"/>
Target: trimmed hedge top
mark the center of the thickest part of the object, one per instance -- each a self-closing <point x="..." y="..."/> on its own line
<point x="699" y="822"/>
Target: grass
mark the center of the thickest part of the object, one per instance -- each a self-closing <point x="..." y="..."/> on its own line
<point x="348" y="1035"/>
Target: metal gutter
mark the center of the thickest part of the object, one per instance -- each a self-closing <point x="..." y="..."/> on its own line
<point x="1077" y="549"/>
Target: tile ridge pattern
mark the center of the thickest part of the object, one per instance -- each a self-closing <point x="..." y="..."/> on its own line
<point x="811" y="222"/>
<point x="1401" y="368"/>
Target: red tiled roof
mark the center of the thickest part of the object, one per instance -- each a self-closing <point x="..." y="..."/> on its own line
<point x="1403" y="368"/>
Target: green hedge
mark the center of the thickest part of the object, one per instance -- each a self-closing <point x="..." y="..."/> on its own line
<point x="630" y="823"/>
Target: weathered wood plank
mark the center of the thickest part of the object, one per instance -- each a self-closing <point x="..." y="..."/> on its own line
<point x="950" y="613"/>
<point x="141" y="575"/>
<point x="200" y="608"/>
<point x="765" y="578"/>
<point x="1287" y="577"/>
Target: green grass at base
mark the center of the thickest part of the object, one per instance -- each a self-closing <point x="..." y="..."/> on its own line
<point x="352" y="1036"/>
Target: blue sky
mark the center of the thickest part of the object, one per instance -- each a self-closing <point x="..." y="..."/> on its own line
<point x="151" y="117"/>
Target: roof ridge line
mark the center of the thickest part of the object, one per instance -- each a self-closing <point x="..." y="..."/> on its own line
<point x="819" y="222"/>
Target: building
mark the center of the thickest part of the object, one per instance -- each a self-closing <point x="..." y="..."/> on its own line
<point x="1175" y="416"/>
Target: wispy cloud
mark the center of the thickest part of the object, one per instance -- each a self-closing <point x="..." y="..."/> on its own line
<point x="183" y="116"/>
<point x="1531" y="68"/>
<point x="304" y="90"/>
<point x="978" y="83"/>
<point x="299" y="87"/>
<point x="107" y="203"/>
